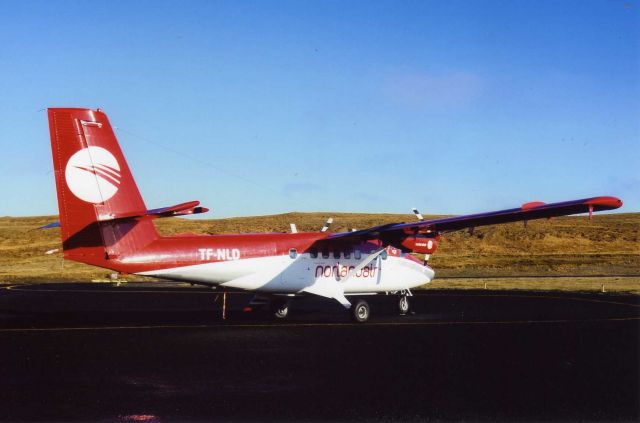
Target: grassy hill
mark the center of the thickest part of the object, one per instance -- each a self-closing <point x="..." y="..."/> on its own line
<point x="608" y="245"/>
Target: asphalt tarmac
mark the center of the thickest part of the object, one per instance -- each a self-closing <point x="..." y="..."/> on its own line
<point x="97" y="352"/>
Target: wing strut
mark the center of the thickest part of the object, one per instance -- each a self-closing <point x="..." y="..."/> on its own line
<point x="363" y="264"/>
<point x="335" y="288"/>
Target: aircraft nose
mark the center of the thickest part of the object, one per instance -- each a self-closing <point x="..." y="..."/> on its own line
<point x="429" y="273"/>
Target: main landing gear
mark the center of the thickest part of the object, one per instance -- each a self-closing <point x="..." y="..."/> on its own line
<point x="360" y="311"/>
<point x="280" y="308"/>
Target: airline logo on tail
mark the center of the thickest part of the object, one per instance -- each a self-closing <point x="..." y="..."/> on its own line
<point x="93" y="175"/>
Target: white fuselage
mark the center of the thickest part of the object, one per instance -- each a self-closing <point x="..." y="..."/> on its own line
<point x="303" y="273"/>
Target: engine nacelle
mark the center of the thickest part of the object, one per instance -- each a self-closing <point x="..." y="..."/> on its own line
<point x="422" y="245"/>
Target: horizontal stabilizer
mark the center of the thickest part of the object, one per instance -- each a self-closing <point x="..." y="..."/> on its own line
<point x="50" y="225"/>
<point x="183" y="209"/>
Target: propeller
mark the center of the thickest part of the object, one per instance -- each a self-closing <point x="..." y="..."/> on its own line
<point x="328" y="223"/>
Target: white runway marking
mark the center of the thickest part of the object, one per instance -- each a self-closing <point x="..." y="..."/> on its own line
<point x="295" y="325"/>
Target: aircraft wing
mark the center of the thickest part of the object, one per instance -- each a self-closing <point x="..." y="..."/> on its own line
<point x="528" y="211"/>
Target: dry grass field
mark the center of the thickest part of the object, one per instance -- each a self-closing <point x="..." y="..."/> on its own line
<point x="568" y="246"/>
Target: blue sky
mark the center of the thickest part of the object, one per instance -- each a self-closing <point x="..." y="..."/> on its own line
<point x="272" y="106"/>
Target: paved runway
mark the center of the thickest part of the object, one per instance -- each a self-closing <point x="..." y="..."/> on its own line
<point x="97" y="352"/>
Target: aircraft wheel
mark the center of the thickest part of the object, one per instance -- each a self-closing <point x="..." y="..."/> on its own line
<point x="281" y="309"/>
<point x="403" y="305"/>
<point x="360" y="311"/>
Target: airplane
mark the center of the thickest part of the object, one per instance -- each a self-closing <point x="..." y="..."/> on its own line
<point x="104" y="222"/>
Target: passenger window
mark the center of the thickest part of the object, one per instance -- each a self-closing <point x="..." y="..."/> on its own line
<point x="325" y="254"/>
<point x="347" y="254"/>
<point x="336" y="254"/>
<point x="293" y="253"/>
<point x="357" y="255"/>
<point x="313" y="253"/>
<point x="384" y="255"/>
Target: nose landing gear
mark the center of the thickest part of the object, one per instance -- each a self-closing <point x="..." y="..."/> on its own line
<point x="403" y="304"/>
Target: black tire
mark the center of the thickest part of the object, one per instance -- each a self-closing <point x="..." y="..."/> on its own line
<point x="404" y="305"/>
<point x="281" y="313"/>
<point x="280" y="309"/>
<point x="360" y="311"/>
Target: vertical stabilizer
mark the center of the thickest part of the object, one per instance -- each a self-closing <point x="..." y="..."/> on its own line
<point x="95" y="186"/>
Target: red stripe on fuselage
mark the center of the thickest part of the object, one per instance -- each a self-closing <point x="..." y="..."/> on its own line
<point x="179" y="251"/>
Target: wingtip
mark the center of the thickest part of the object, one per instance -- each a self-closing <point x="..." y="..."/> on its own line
<point x="606" y="202"/>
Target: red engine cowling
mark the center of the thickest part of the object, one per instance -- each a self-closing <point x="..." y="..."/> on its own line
<point x="421" y="245"/>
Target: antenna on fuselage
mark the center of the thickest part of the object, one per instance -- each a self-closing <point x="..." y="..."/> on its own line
<point x="294" y="229"/>
<point x="328" y="223"/>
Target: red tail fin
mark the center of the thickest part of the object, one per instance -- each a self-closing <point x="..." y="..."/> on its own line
<point x="94" y="185"/>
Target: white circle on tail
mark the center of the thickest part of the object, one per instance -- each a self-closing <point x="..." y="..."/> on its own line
<point x="93" y="175"/>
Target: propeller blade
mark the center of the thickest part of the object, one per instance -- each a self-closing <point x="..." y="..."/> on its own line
<point x="328" y="223"/>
